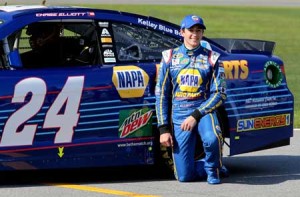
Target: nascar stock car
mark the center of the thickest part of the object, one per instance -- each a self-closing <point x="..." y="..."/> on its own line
<point x="89" y="101"/>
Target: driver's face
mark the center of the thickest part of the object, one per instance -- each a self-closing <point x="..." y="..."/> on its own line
<point x="36" y="41"/>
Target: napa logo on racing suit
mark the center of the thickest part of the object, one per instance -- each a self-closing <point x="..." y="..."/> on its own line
<point x="135" y="123"/>
<point x="264" y="122"/>
<point x="189" y="81"/>
<point x="130" y="81"/>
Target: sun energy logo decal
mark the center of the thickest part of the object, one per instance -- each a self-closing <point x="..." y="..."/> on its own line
<point x="130" y="81"/>
<point x="135" y="123"/>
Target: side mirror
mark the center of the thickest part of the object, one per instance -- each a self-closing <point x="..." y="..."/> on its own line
<point x="14" y="59"/>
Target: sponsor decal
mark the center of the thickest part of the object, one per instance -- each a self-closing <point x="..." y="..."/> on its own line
<point x="165" y="29"/>
<point x="273" y="74"/>
<point x="184" y="61"/>
<point x="175" y="63"/>
<point x="189" y="80"/>
<point x="106" y="40"/>
<point x="130" y="81"/>
<point x="105" y="33"/>
<point x="109" y="56"/>
<point x="109" y="60"/>
<point x="190" y="53"/>
<point x="264" y="122"/>
<point x="236" y="69"/>
<point x="261" y="102"/>
<point x="214" y="57"/>
<point x="103" y="24"/>
<point x="107" y="46"/>
<point x="222" y="73"/>
<point x="63" y="14"/>
<point x="142" y="143"/>
<point x="147" y="23"/>
<point x="91" y="14"/>
<point x="186" y="95"/>
<point x="135" y="123"/>
<point x="202" y="60"/>
<point x="178" y="55"/>
<point x="108" y="53"/>
<point x="157" y="26"/>
<point x="223" y="87"/>
<point x="201" y="66"/>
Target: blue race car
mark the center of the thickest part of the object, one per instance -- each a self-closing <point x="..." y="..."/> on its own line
<point x="78" y="84"/>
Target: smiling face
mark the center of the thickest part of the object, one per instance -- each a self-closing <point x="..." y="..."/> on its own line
<point x="192" y="36"/>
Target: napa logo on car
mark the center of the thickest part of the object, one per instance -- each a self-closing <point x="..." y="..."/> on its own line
<point x="264" y="122"/>
<point x="135" y="123"/>
<point x="130" y="81"/>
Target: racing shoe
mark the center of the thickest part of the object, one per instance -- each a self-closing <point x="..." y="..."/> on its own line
<point x="224" y="172"/>
<point x="213" y="177"/>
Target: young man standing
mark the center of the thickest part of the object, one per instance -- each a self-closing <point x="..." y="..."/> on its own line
<point x="190" y="87"/>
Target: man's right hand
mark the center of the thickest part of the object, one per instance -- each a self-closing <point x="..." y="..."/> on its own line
<point x="166" y="139"/>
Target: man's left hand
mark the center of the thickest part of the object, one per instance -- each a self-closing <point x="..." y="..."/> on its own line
<point x="188" y="124"/>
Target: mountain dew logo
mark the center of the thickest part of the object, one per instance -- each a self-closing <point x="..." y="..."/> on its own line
<point x="135" y="123"/>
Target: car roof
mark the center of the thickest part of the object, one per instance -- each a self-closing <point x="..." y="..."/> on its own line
<point x="14" y="17"/>
<point x="13" y="11"/>
<point x="17" y="9"/>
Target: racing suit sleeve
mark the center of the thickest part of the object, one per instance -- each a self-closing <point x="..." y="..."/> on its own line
<point x="217" y="89"/>
<point x="163" y="94"/>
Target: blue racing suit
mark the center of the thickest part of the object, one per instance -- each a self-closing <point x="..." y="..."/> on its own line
<point x="191" y="83"/>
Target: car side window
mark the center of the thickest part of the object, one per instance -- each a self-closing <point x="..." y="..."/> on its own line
<point x="134" y="43"/>
<point x="58" y="44"/>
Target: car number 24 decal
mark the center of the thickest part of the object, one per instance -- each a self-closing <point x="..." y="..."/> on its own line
<point x="68" y="99"/>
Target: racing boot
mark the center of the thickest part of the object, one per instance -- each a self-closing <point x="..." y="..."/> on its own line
<point x="213" y="176"/>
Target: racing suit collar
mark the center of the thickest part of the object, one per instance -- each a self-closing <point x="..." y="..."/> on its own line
<point x="191" y="52"/>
